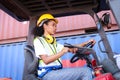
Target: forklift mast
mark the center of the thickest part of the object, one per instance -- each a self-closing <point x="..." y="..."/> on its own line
<point x="115" y="8"/>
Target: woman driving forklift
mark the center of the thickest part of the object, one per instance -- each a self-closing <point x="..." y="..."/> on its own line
<point x="49" y="52"/>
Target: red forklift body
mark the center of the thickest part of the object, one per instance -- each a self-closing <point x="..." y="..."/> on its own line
<point x="106" y="76"/>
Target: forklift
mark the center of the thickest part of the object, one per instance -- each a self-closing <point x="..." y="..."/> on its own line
<point x="25" y="11"/>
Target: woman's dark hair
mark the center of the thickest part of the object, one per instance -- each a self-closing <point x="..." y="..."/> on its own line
<point x="39" y="30"/>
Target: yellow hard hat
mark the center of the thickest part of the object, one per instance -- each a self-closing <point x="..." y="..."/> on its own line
<point x="44" y="17"/>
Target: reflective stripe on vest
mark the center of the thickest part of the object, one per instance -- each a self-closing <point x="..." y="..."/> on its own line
<point x="43" y="68"/>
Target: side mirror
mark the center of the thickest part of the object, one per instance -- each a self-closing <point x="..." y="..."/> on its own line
<point x="106" y="20"/>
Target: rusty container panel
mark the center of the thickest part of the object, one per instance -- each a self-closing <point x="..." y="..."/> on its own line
<point x="78" y="24"/>
<point x="13" y="31"/>
<point x="11" y="28"/>
<point x="75" y="22"/>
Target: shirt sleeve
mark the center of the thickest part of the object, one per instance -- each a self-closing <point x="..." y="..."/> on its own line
<point x="39" y="48"/>
<point x="59" y="47"/>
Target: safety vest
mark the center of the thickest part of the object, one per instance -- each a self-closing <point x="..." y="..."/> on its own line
<point x="51" y="49"/>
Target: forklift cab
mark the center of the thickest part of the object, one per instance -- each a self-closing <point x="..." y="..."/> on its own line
<point x="25" y="10"/>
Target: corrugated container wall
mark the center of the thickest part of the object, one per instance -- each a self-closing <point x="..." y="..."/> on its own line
<point x="12" y="55"/>
<point x="12" y="60"/>
<point x="12" y="30"/>
<point x="78" y="24"/>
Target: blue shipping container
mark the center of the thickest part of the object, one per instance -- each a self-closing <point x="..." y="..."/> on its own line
<point x="12" y="55"/>
<point x="12" y="60"/>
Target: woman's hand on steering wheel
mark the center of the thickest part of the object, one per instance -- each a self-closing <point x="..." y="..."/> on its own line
<point x="73" y="50"/>
<point x="92" y="40"/>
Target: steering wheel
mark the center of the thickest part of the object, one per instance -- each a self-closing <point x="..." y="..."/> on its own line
<point x="81" y="53"/>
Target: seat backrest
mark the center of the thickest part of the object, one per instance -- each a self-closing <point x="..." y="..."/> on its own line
<point x="30" y="64"/>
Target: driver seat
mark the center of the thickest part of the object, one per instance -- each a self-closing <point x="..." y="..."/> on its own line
<point x="30" y="64"/>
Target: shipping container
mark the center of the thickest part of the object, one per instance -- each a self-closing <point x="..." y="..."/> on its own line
<point x="12" y="60"/>
<point x="12" y="55"/>
<point x="13" y="31"/>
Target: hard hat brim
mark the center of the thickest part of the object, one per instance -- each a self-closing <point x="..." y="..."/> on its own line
<point x="55" y="20"/>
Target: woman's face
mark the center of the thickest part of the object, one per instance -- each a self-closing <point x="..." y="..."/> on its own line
<point x="51" y="27"/>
